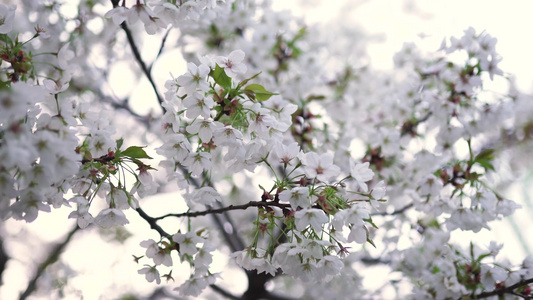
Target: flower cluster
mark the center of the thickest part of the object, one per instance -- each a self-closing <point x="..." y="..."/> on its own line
<point x="37" y="136"/>
<point x="52" y="144"/>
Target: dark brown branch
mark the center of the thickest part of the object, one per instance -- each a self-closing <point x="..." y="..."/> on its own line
<point x="161" y="293"/>
<point x="4" y="258"/>
<point x="223" y="292"/>
<point x="163" y="41"/>
<point x="52" y="258"/>
<point x="233" y="240"/>
<point x="272" y="296"/>
<point x="371" y="261"/>
<point x="139" y="59"/>
<point x="225" y="209"/>
<point x="153" y="223"/>
<point x="505" y="290"/>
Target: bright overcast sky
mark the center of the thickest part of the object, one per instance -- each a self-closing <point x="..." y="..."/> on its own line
<point x="399" y="21"/>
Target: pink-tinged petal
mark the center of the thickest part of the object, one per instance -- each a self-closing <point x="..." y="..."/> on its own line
<point x="236" y="56"/>
<point x="239" y="68"/>
<point x="192" y="68"/>
<point x="50" y="84"/>
<point x="326" y="160"/>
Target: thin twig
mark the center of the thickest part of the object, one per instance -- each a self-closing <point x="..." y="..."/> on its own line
<point x="52" y="258"/>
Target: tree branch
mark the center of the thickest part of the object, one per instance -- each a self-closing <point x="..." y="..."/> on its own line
<point x="396" y="212"/>
<point x="223" y="292"/>
<point x="52" y="258"/>
<point x="3" y="260"/>
<point x="227" y="208"/>
<point x="272" y="296"/>
<point x="163" y="41"/>
<point x="153" y="224"/>
<point x="139" y="59"/>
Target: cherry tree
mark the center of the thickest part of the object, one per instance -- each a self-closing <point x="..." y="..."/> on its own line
<point x="293" y="158"/>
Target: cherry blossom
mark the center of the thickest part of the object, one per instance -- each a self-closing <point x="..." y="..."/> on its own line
<point x="198" y="105"/>
<point x="312" y="216"/>
<point x="320" y="166"/>
<point x="158" y="254"/>
<point x="110" y="217"/>
<point x="233" y="63"/>
<point x="298" y="197"/>
<point x="361" y="173"/>
<point x="195" y="78"/>
<point x="187" y="242"/>
<point x="151" y="274"/>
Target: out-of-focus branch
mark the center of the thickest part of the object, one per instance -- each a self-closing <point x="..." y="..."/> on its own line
<point x="123" y="105"/>
<point x="396" y="212"/>
<point x="223" y="292"/>
<point x="3" y="260"/>
<point x="506" y="290"/>
<point x="139" y="59"/>
<point x="162" y="293"/>
<point x="52" y="258"/>
<point x="163" y="41"/>
<point x="272" y="296"/>
<point x="371" y="261"/>
<point x="233" y="239"/>
<point x="118" y="104"/>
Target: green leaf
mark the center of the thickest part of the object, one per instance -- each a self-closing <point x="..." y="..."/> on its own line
<point x="135" y="152"/>
<point x="369" y="220"/>
<point x="245" y="81"/>
<point x="433" y="224"/>
<point x="485" y="159"/>
<point x="4" y="85"/>
<point x="261" y="94"/>
<point x="482" y="256"/>
<point x="315" y="97"/>
<point x="371" y="242"/>
<point x="221" y="78"/>
<point x="119" y="143"/>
